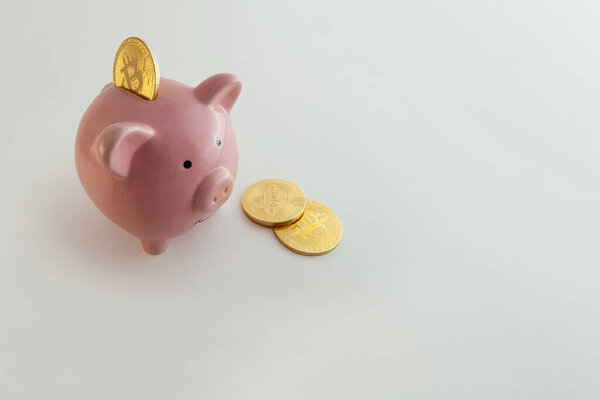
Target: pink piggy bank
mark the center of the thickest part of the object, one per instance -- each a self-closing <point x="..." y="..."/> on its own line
<point x="156" y="168"/>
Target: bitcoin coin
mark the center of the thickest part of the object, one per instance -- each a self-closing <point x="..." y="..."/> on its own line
<point x="135" y="69"/>
<point x="317" y="232"/>
<point x="273" y="202"/>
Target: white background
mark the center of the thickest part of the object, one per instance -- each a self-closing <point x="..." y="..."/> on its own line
<point x="458" y="142"/>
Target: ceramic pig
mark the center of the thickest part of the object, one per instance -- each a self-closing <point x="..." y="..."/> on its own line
<point x="156" y="168"/>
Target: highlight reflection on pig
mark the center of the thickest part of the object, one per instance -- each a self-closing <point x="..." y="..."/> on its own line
<point x="155" y="168"/>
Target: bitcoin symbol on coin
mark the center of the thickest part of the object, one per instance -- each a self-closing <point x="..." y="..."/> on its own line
<point x="310" y="224"/>
<point x="131" y="73"/>
<point x="272" y="199"/>
<point x="317" y="232"/>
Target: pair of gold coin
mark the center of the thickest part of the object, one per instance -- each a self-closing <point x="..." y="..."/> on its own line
<point x="135" y="69"/>
<point x="303" y="226"/>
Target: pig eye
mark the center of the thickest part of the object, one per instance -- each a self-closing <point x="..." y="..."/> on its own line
<point x="187" y="164"/>
<point x="218" y="142"/>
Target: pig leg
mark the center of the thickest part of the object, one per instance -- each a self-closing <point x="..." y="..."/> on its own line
<point x="154" y="247"/>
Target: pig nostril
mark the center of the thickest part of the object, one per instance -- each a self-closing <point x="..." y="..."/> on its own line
<point x="225" y="191"/>
<point x="215" y="199"/>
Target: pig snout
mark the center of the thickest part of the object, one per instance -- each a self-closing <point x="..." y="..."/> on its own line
<point x="214" y="189"/>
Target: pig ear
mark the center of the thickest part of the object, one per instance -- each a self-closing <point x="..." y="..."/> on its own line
<point x="118" y="142"/>
<point x="220" y="89"/>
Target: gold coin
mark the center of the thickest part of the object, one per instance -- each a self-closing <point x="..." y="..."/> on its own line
<point x="135" y="69"/>
<point x="273" y="202"/>
<point x="317" y="232"/>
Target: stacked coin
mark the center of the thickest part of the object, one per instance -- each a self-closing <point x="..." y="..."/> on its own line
<point x="303" y="226"/>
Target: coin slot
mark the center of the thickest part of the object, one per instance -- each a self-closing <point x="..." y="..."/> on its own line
<point x="187" y="164"/>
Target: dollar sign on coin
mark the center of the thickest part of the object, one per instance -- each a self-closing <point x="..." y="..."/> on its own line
<point x="317" y="232"/>
<point x="273" y="202"/>
<point x="135" y="69"/>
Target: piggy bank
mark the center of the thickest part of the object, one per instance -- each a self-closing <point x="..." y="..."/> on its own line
<point x="156" y="168"/>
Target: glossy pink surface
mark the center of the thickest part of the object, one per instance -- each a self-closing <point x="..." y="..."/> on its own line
<point x="156" y="168"/>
